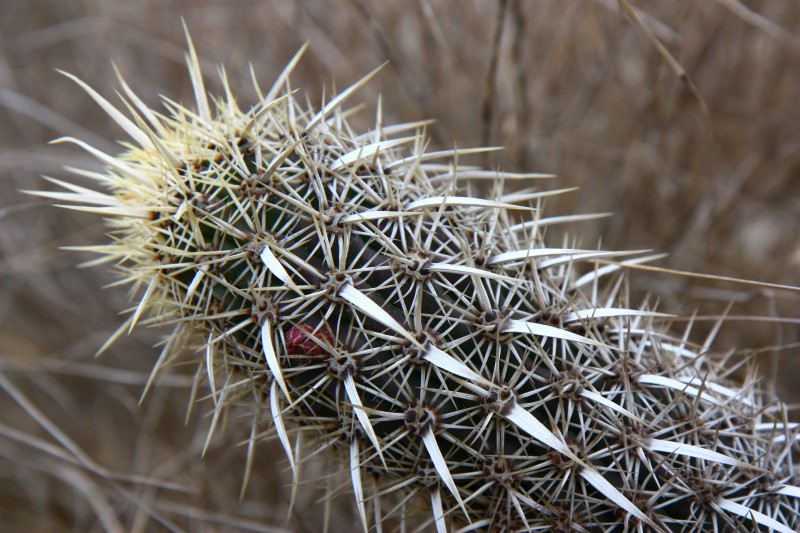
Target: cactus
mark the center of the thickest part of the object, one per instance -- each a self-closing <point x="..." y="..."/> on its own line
<point x="360" y="293"/>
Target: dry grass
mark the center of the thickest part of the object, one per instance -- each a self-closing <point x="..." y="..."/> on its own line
<point x="572" y="88"/>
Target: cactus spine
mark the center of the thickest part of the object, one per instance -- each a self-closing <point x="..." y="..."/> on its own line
<point x="358" y="291"/>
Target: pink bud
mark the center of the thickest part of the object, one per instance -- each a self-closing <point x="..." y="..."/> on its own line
<point x="300" y="340"/>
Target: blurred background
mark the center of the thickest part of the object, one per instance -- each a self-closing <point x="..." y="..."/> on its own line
<point x="682" y="118"/>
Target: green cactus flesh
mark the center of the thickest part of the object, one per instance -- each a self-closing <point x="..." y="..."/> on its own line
<point x="361" y="294"/>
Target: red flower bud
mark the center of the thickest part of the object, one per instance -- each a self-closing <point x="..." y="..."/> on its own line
<point x="303" y="340"/>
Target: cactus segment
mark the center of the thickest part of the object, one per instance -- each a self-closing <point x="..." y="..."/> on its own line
<point x="366" y="300"/>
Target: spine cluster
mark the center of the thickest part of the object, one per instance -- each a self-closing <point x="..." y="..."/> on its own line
<point x="360" y="292"/>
